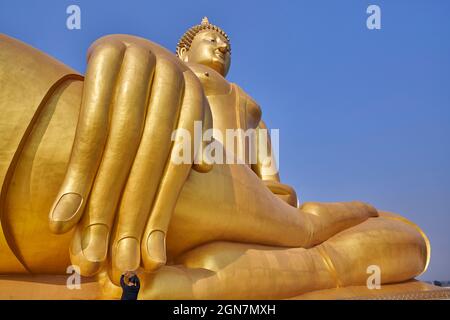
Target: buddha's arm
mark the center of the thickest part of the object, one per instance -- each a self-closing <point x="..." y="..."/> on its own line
<point x="267" y="169"/>
<point x="34" y="88"/>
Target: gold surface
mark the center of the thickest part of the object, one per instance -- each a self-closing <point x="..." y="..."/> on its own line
<point x="87" y="179"/>
<point x="410" y="290"/>
<point x="53" y="287"/>
<point x="47" y="287"/>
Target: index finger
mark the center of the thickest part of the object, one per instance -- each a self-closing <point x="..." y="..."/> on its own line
<point x="92" y="130"/>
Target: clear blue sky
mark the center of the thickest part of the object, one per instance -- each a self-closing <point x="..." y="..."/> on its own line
<point x="363" y="114"/>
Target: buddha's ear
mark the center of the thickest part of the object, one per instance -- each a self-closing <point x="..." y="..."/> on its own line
<point x="183" y="54"/>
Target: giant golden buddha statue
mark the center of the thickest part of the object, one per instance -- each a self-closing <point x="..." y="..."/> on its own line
<point x="88" y="179"/>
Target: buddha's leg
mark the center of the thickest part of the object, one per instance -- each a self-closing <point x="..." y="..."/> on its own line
<point x="225" y="270"/>
<point x="39" y="101"/>
<point x="36" y="178"/>
<point x="230" y="203"/>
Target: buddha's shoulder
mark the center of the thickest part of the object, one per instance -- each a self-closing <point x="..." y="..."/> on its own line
<point x="213" y="82"/>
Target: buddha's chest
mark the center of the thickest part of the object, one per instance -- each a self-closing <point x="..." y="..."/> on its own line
<point x="231" y="108"/>
<point x="232" y="111"/>
<point x="229" y="111"/>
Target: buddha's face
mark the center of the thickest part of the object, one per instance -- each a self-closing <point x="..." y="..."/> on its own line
<point x="211" y="49"/>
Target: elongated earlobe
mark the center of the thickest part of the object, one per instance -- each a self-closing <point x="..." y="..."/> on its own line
<point x="183" y="53"/>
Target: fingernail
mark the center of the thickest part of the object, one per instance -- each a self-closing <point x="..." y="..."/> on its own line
<point x="156" y="247"/>
<point x="77" y="258"/>
<point x="67" y="207"/>
<point x="127" y="254"/>
<point x="94" y="242"/>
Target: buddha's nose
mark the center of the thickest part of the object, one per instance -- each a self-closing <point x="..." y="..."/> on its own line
<point x="223" y="48"/>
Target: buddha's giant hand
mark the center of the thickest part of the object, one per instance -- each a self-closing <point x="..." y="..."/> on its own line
<point x="135" y="94"/>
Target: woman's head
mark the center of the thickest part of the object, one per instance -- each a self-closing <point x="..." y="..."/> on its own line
<point x="130" y="278"/>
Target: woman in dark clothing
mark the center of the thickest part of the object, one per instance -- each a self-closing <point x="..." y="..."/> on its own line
<point x="130" y="286"/>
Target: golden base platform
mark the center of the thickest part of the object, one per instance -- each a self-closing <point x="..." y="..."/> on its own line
<point x="53" y="287"/>
<point x="410" y="290"/>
